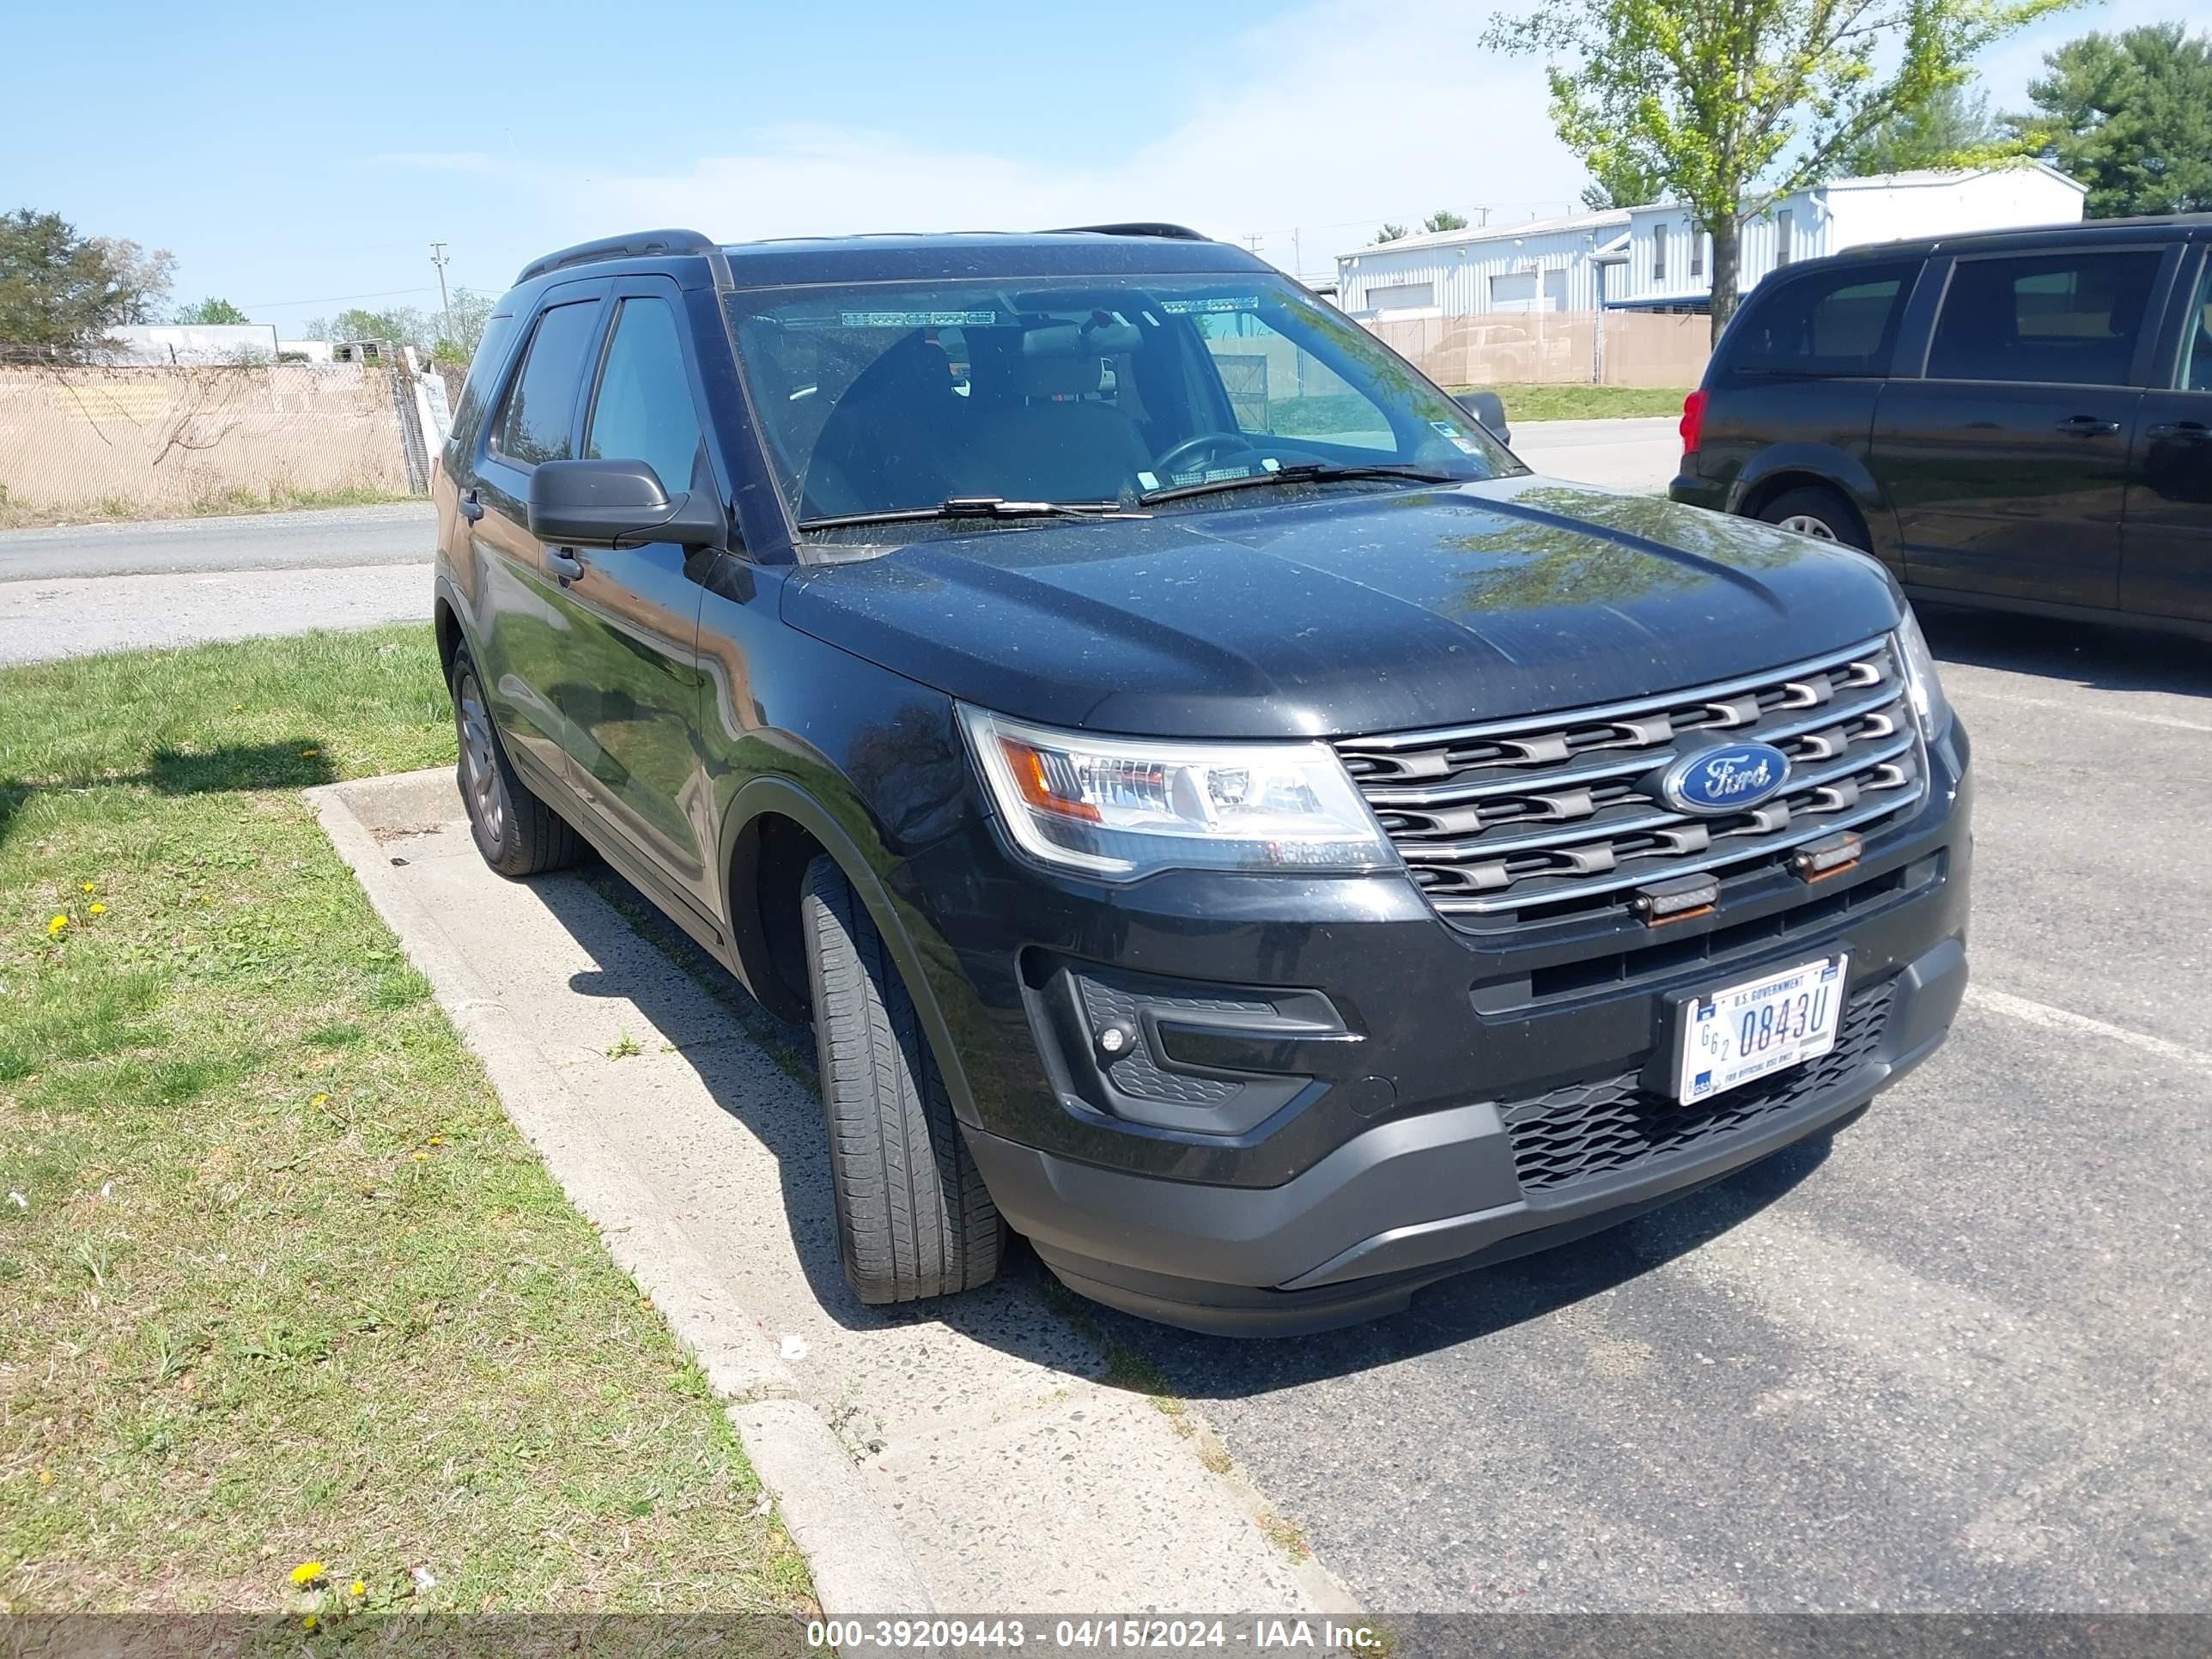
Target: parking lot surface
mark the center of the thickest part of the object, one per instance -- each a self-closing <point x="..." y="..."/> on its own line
<point x="1958" y="1359"/>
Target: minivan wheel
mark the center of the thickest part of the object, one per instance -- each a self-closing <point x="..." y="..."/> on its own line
<point x="517" y="834"/>
<point x="914" y="1219"/>
<point x="1816" y="511"/>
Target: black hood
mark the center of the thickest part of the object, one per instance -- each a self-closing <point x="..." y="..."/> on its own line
<point x="1345" y="613"/>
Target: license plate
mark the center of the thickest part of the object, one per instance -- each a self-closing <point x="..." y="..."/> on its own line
<point x="1745" y="1032"/>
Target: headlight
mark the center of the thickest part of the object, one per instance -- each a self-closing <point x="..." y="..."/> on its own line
<point x="1923" y="689"/>
<point x="1125" y="807"/>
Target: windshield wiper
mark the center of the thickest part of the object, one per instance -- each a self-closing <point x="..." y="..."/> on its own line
<point x="1304" y="472"/>
<point x="978" y="507"/>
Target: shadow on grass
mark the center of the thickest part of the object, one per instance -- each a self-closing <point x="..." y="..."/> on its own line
<point x="287" y="764"/>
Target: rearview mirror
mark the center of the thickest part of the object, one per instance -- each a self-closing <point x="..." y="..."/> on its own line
<point x="618" y="504"/>
<point x="1488" y="408"/>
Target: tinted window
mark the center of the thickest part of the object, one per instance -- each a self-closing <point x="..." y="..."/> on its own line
<point x="642" y="410"/>
<point x="484" y="373"/>
<point x="1841" y="322"/>
<point x="533" y="426"/>
<point x="2196" y="339"/>
<point x="2070" y="318"/>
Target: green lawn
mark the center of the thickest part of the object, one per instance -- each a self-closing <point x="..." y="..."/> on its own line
<point x="1585" y="402"/>
<point x="237" y="498"/>
<point x="278" y="1282"/>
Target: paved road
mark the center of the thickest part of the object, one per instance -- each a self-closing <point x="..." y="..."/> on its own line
<point x="1962" y="1359"/>
<point x="83" y="589"/>
<point x="1639" y="454"/>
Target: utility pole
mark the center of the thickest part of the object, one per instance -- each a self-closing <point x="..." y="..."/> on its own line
<point x="438" y="258"/>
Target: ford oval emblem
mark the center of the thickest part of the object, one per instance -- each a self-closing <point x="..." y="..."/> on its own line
<point x="1729" y="779"/>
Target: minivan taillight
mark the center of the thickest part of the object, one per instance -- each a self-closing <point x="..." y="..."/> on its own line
<point x="1693" y="422"/>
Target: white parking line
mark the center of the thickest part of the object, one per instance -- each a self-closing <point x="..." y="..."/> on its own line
<point x="2178" y="725"/>
<point x="2059" y="1020"/>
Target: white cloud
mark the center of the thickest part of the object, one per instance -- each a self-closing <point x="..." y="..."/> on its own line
<point x="1326" y="122"/>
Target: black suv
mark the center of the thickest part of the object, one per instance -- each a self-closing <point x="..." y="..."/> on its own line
<point x="2020" y="420"/>
<point x="1222" y="815"/>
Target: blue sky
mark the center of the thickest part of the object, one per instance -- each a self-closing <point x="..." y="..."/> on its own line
<point x="297" y="158"/>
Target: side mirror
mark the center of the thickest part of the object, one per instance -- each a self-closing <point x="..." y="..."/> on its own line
<point x="618" y="504"/>
<point x="1488" y="408"/>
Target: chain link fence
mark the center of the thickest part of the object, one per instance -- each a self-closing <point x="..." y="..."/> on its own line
<point x="1553" y="348"/>
<point x="80" y="440"/>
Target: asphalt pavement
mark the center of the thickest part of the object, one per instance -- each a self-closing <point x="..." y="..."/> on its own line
<point x="1957" y="1359"/>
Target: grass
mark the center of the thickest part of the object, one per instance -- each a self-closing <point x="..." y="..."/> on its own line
<point x="1585" y="402"/>
<point x="283" y="1284"/>
<point x="237" y="498"/>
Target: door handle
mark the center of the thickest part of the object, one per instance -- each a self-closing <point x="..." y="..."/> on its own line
<point x="564" y="564"/>
<point x="471" y="508"/>
<point x="2189" y="432"/>
<point x="2088" y="426"/>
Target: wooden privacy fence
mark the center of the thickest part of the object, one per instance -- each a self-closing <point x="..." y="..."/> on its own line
<point x="1553" y="348"/>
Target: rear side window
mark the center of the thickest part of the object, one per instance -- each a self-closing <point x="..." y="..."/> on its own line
<point x="534" y="424"/>
<point x="1840" y="322"/>
<point x="642" y="410"/>
<point x="2072" y="319"/>
<point x="484" y="373"/>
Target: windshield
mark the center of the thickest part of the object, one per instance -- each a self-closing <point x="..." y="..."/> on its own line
<point x="879" y="399"/>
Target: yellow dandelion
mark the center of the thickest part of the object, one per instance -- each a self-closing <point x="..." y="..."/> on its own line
<point x="419" y="1157"/>
<point x="54" y="928"/>
<point x="309" y="754"/>
<point x="89" y="888"/>
<point x="437" y="1140"/>
<point x="45" y="1477"/>
<point x="309" y="1622"/>
<point x="307" y="1573"/>
<point x="321" y="1100"/>
<point x="356" y="1587"/>
<point x="98" y="909"/>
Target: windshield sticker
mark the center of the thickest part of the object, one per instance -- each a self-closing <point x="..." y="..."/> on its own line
<point x="1149" y="480"/>
<point x="920" y="318"/>
<point x="1271" y="464"/>
<point x="1466" y="447"/>
<point x="1446" y="428"/>
<point x="1223" y="306"/>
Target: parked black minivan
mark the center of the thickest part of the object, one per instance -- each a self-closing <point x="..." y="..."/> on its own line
<point x="2019" y="420"/>
<point x="1225" y="819"/>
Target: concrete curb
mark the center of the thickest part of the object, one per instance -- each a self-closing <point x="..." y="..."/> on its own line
<point x="851" y="1548"/>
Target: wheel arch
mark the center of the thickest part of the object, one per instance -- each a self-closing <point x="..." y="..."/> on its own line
<point x="773" y="829"/>
<point x="1792" y="466"/>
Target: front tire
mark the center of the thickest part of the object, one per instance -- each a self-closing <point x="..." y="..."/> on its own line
<point x="517" y="834"/>
<point x="1817" y="511"/>
<point x="914" y="1219"/>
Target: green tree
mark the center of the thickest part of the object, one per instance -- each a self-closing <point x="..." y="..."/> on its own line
<point x="2131" y="116"/>
<point x="1391" y="233"/>
<point x="396" y="326"/>
<point x="463" y="325"/>
<point x="63" y="292"/>
<point x="1626" y="183"/>
<point x="1444" y="219"/>
<point x="210" y="313"/>
<point x="1951" y="128"/>
<point x="1730" y="107"/>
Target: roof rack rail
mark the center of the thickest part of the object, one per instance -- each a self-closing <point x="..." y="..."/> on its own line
<point x="1135" y="228"/>
<point x="639" y="244"/>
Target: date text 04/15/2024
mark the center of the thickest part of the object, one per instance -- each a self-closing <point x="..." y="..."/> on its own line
<point x="1252" y="1634"/>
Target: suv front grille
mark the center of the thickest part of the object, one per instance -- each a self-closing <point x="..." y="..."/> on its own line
<point x="1512" y="817"/>
<point x="1584" y="1130"/>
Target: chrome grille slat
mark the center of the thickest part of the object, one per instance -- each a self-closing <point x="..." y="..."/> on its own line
<point x="1508" y="816"/>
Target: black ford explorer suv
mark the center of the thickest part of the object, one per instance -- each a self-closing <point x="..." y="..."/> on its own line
<point x="2020" y="420"/>
<point x="1225" y="818"/>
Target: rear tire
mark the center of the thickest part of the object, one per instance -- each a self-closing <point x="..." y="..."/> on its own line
<point x="517" y="834"/>
<point x="1817" y="511"/>
<point x="914" y="1219"/>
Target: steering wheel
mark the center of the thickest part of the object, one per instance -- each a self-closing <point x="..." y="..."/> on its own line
<point x="1209" y="445"/>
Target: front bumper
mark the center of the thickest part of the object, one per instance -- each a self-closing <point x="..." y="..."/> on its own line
<point x="1419" y="1099"/>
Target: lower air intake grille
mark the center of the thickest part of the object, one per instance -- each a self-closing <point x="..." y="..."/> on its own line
<point x="1583" y="1130"/>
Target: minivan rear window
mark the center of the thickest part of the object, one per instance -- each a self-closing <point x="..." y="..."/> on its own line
<point x="1838" y="322"/>
<point x="2072" y="319"/>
